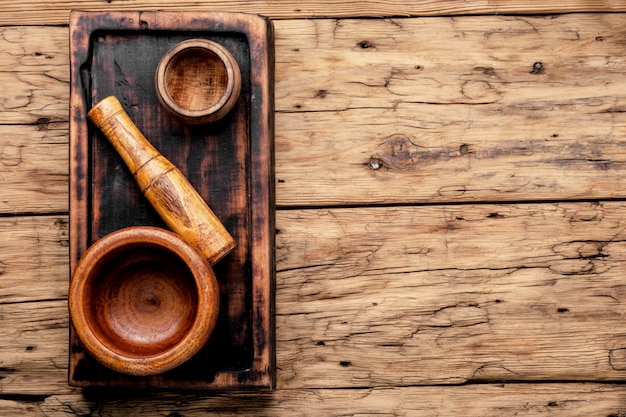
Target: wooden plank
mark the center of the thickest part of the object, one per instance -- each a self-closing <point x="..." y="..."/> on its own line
<point x="34" y="75"/>
<point x="450" y="294"/>
<point x="33" y="342"/>
<point x="229" y="163"/>
<point x="34" y="168"/>
<point x="425" y="137"/>
<point x="34" y="272"/>
<point x="365" y="116"/>
<point x="569" y="400"/>
<point x="337" y="158"/>
<point x="33" y="259"/>
<point x="34" y="49"/>
<point x="449" y="280"/>
<point x="364" y="64"/>
<point x="402" y="296"/>
<point x="53" y="12"/>
<point x="32" y="97"/>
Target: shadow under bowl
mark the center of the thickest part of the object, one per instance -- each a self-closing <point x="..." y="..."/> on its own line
<point x="143" y="300"/>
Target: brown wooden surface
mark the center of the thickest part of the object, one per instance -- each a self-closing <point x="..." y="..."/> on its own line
<point x="486" y="281"/>
<point x="57" y="12"/>
<point x="116" y="54"/>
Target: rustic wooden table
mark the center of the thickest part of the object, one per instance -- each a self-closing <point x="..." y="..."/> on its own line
<point x="451" y="211"/>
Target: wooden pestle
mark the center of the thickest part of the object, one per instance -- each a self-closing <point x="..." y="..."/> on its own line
<point x="165" y="187"/>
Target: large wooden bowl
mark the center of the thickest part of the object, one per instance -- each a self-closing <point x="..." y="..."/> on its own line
<point x="198" y="80"/>
<point x="142" y="300"/>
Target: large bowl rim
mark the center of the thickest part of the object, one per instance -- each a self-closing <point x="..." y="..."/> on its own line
<point x="207" y="294"/>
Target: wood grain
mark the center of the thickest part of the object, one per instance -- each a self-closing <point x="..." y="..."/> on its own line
<point x="366" y="117"/>
<point x="450" y="294"/>
<point x="34" y="75"/>
<point x="416" y="295"/>
<point x="33" y="342"/>
<point x="569" y="400"/>
<point x="375" y="299"/>
<point x="57" y="12"/>
<point x="33" y="259"/>
<point x="33" y="168"/>
<point x="435" y="132"/>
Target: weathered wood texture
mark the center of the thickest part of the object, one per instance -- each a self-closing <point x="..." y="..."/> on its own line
<point x="450" y="109"/>
<point x="228" y="164"/>
<point x="57" y="12"/>
<point x="33" y="259"/>
<point x="34" y="77"/>
<point x="33" y="342"/>
<point x="33" y="168"/>
<point x="404" y="296"/>
<point x="566" y="400"/>
<point x="379" y="300"/>
<point x="395" y="124"/>
<point x="450" y="294"/>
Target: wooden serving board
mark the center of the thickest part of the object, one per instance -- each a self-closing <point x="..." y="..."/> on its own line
<point x="229" y="162"/>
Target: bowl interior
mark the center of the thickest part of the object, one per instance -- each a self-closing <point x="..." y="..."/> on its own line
<point x="140" y="300"/>
<point x="196" y="78"/>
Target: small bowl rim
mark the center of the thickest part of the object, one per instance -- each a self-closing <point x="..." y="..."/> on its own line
<point x="220" y="108"/>
<point x="207" y="294"/>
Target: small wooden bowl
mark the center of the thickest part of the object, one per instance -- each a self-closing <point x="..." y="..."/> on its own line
<point x="198" y="80"/>
<point x="143" y="300"/>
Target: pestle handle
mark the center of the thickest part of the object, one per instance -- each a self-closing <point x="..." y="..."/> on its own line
<point x="164" y="186"/>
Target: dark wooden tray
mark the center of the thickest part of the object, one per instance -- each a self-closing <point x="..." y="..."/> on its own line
<point x="229" y="162"/>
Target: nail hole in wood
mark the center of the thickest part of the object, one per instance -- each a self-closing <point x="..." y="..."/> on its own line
<point x="375" y="163"/>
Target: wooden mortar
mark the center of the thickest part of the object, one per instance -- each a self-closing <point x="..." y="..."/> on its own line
<point x="143" y="300"/>
<point x="198" y="80"/>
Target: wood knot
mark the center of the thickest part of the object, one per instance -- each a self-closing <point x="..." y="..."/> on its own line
<point x="617" y="359"/>
<point x="538" y="68"/>
<point x="365" y="45"/>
